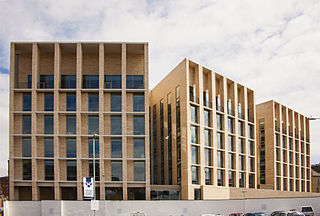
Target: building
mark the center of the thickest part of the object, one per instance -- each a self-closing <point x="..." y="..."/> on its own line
<point x="4" y="186"/>
<point x="283" y="137"/>
<point x="315" y="171"/>
<point x="61" y="95"/>
<point x="202" y="135"/>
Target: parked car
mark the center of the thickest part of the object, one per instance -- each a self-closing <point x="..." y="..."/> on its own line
<point x="287" y="213"/>
<point x="257" y="214"/>
<point x="307" y="210"/>
<point x="236" y="214"/>
<point x="211" y="215"/>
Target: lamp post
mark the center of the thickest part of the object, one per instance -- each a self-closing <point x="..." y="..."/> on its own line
<point x="244" y="200"/>
<point x="312" y="118"/>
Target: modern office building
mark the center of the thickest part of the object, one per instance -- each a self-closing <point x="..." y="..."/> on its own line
<point x="315" y="172"/>
<point x="66" y="98"/>
<point x="202" y="134"/>
<point x="283" y="138"/>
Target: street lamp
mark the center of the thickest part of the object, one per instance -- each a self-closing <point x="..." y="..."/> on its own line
<point x="244" y="200"/>
<point x="312" y="118"/>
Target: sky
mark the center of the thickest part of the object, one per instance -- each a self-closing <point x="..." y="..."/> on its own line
<point x="271" y="46"/>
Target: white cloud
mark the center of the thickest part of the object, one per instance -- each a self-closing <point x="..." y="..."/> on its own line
<point x="271" y="46"/>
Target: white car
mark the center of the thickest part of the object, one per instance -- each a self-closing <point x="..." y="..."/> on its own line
<point x="307" y="210"/>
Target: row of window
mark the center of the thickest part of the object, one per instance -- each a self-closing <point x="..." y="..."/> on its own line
<point x="71" y="147"/>
<point x="71" y="168"/>
<point x="290" y="187"/>
<point x="298" y="157"/>
<point x="93" y="102"/>
<point x="291" y="171"/>
<point x="93" y="124"/>
<point x="303" y="146"/>
<point x="89" y="81"/>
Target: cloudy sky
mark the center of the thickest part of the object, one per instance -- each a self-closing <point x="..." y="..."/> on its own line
<point x="270" y="46"/>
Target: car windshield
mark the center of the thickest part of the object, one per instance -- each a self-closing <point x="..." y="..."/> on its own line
<point x="306" y="209"/>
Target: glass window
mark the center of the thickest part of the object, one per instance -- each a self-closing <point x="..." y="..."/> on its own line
<point x="194" y="175"/>
<point x="241" y="179"/>
<point x="218" y="103"/>
<point x="138" y="125"/>
<point x="194" y="151"/>
<point x="231" y="161"/>
<point x="115" y="102"/>
<point x="97" y="169"/>
<point x="116" y="125"/>
<point x="138" y="148"/>
<point x="116" y="171"/>
<point x="231" y="178"/>
<point x="250" y="131"/>
<point x="194" y="114"/>
<point x="26" y="124"/>
<point x="134" y="81"/>
<point x="26" y="147"/>
<point x="231" y="143"/>
<point x="93" y="124"/>
<point x="96" y="147"/>
<point x="207" y="136"/>
<point x="49" y="170"/>
<point x="251" y="164"/>
<point x="208" y="174"/>
<point x="220" y="159"/>
<point x="138" y="102"/>
<point x="71" y="148"/>
<point x="46" y="81"/>
<point x="207" y="118"/>
<point x="208" y="157"/>
<point x="219" y="122"/>
<point x="220" y="177"/>
<point x="90" y="81"/>
<point x="93" y="102"/>
<point x="112" y="81"/>
<point x="71" y="102"/>
<point x="241" y="163"/>
<point x="206" y="99"/>
<point x="220" y="140"/>
<point x="116" y="148"/>
<point x="139" y="171"/>
<point x="113" y="193"/>
<point x="48" y="147"/>
<point x="193" y="94"/>
<point x="241" y="145"/>
<point x="136" y="193"/>
<point x="26" y="170"/>
<point x="71" y="170"/>
<point x="251" y="147"/>
<point x="48" y="124"/>
<point x="68" y="81"/>
<point x="230" y="125"/>
<point x="194" y="134"/>
<point x="29" y="81"/>
<point x="251" y="181"/>
<point x="71" y="124"/>
<point x="48" y="102"/>
<point x="240" y="124"/>
<point x="26" y="103"/>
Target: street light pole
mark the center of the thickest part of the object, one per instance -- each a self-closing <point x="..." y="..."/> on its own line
<point x="244" y="200"/>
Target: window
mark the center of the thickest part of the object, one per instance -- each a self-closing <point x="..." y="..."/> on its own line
<point x="242" y="179"/>
<point x="112" y="81"/>
<point x="193" y="94"/>
<point x="138" y="102"/>
<point x="26" y="170"/>
<point x="230" y="125"/>
<point x="116" y="125"/>
<point x="48" y="102"/>
<point x="229" y="105"/>
<point x="48" y="124"/>
<point x="251" y="148"/>
<point x="277" y="140"/>
<point x="231" y="178"/>
<point x="284" y="142"/>
<point x="134" y="81"/>
<point x="93" y="124"/>
<point x="71" y="170"/>
<point x="240" y="124"/>
<point x="197" y="194"/>
<point x="208" y="174"/>
<point x="93" y="102"/>
<point x="26" y="103"/>
<point x="207" y="136"/>
<point x="116" y="171"/>
<point x="113" y="193"/>
<point x="116" y="148"/>
<point x="208" y="157"/>
<point x="250" y="131"/>
<point x="194" y="134"/>
<point x="194" y="114"/>
<point x="68" y="81"/>
<point x="71" y="102"/>
<point x="49" y="170"/>
<point x="206" y="99"/>
<point x="46" y="81"/>
<point x="219" y="140"/>
<point x="194" y="151"/>
<point x="90" y="81"/>
<point x="207" y="118"/>
<point x="139" y="171"/>
<point x="138" y="148"/>
<point x="136" y="193"/>
<point x="71" y="124"/>
<point x="231" y="143"/>
<point x="220" y="177"/>
<point x="218" y="103"/>
<point x="241" y="163"/>
<point x="220" y="159"/>
<point x="231" y="161"/>
<point x="138" y="125"/>
<point x="26" y="147"/>
<point x="71" y="148"/>
<point x="97" y="169"/>
<point x="251" y="181"/>
<point x="96" y="147"/>
<point x="241" y="145"/>
<point x="29" y="81"/>
<point x="48" y="147"/>
<point x="219" y="122"/>
<point x="26" y="124"/>
<point x="115" y="102"/>
<point x="194" y="175"/>
<point x="251" y="164"/>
